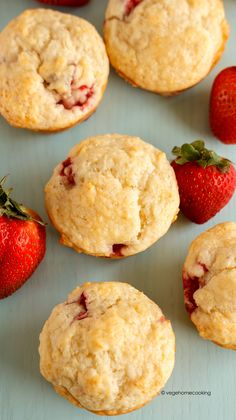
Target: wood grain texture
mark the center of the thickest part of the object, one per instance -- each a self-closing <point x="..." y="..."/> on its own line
<point x="30" y="158"/>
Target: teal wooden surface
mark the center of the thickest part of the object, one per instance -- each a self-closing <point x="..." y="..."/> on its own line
<point x="30" y="158"/>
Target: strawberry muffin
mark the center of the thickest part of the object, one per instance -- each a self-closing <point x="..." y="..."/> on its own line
<point x="113" y="196"/>
<point x="107" y="349"/>
<point x="53" y="70"/>
<point x="209" y="277"/>
<point x="165" y="46"/>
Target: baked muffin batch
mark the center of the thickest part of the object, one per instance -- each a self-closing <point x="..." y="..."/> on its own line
<point x="108" y="348"/>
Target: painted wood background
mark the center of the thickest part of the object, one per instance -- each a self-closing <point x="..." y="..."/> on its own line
<point x="30" y="158"/>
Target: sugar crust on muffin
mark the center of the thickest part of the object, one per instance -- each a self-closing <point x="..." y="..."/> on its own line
<point x="165" y="46"/>
<point x="113" y="196"/>
<point x="209" y="277"/>
<point x="53" y="70"/>
<point x="108" y="348"/>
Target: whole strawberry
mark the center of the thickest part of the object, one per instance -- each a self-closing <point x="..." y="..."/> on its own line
<point x="22" y="243"/>
<point x="223" y="106"/>
<point x="206" y="181"/>
<point x="74" y="3"/>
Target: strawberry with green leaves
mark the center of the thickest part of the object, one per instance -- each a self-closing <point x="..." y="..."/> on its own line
<point x="22" y="243"/>
<point x="206" y="181"/>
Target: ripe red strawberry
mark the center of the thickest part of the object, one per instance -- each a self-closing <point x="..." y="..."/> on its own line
<point x="206" y="181"/>
<point x="223" y="106"/>
<point x="74" y="3"/>
<point x="22" y="243"/>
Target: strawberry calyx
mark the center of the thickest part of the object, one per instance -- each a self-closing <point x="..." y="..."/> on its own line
<point x="197" y="152"/>
<point x="11" y="208"/>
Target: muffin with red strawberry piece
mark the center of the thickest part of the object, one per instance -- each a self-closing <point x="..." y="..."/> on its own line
<point x="53" y="70"/>
<point x="113" y="196"/>
<point x="22" y="243"/>
<point x="165" y="46"/>
<point x="108" y="348"/>
<point x="209" y="278"/>
<point x="206" y="181"/>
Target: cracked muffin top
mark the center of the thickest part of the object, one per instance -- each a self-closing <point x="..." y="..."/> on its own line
<point x="108" y="348"/>
<point x="113" y="196"/>
<point x="53" y="70"/>
<point x="209" y="277"/>
<point x="165" y="46"/>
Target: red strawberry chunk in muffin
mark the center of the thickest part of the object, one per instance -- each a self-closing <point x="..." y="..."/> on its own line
<point x="191" y="285"/>
<point x="116" y="250"/>
<point x="67" y="171"/>
<point x="204" y="267"/>
<point x="130" y="5"/>
<point x="162" y="319"/>
<point x="82" y="302"/>
<point x="79" y="96"/>
<point x="80" y="316"/>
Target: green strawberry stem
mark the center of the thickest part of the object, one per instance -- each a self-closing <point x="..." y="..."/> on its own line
<point x="11" y="208"/>
<point x="196" y="152"/>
